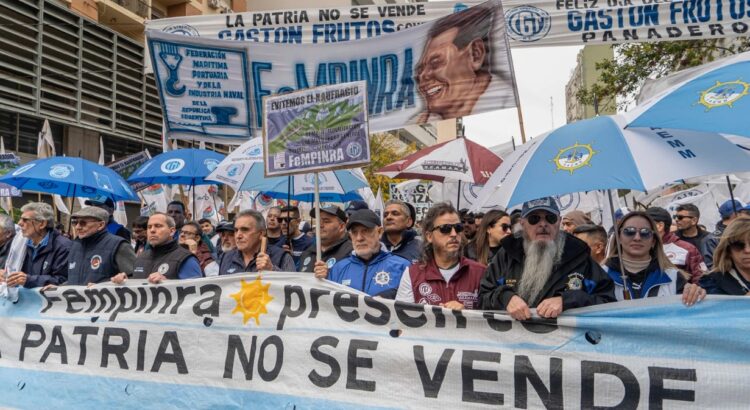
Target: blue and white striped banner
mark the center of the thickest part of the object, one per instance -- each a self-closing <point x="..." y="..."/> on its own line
<point x="292" y="341"/>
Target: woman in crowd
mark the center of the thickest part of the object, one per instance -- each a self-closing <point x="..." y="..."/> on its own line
<point x="204" y="251"/>
<point x="731" y="272"/>
<point x="495" y="226"/>
<point x="648" y="271"/>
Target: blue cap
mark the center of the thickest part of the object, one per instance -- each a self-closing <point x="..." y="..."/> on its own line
<point x="356" y="205"/>
<point x="546" y="204"/>
<point x="620" y="212"/>
<point x="727" y="209"/>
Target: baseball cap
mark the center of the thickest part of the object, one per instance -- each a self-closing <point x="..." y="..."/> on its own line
<point x="305" y="227"/>
<point x="100" y="200"/>
<point x="621" y="212"/>
<point x="546" y="204"/>
<point x="356" y="205"/>
<point x="92" y="212"/>
<point x="726" y="209"/>
<point x="364" y="217"/>
<point x="331" y="210"/>
<point x="225" y="227"/>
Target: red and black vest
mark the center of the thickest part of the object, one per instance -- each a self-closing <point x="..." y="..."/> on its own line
<point x="429" y="286"/>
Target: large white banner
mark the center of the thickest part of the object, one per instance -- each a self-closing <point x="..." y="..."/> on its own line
<point x="532" y="23"/>
<point x="292" y="341"/>
<point x="454" y="66"/>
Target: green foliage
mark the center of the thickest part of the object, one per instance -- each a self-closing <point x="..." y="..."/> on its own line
<point x="384" y="149"/>
<point x="338" y="114"/>
<point x="621" y="79"/>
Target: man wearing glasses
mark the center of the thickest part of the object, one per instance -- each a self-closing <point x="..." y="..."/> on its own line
<point x="46" y="260"/>
<point x="96" y="255"/>
<point x="443" y="277"/>
<point x="273" y="227"/>
<point x="398" y="236"/>
<point x="290" y="228"/>
<point x="687" y="218"/>
<point x="370" y="268"/>
<point x="546" y="268"/>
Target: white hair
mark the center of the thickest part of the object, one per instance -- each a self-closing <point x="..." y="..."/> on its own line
<point x="541" y="256"/>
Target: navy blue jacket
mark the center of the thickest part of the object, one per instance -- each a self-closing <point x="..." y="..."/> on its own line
<point x="50" y="266"/>
<point x="232" y="262"/>
<point x="410" y="247"/>
<point x="380" y="276"/>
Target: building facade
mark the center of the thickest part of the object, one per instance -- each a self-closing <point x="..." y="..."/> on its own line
<point x="585" y="75"/>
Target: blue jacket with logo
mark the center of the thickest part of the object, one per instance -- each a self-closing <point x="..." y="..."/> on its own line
<point x="380" y="276"/>
<point x="655" y="282"/>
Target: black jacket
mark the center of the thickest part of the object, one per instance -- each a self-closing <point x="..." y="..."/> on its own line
<point x="577" y="278"/>
<point x="720" y="283"/>
<point x="410" y="247"/>
<point x="339" y="251"/>
<point x="50" y="265"/>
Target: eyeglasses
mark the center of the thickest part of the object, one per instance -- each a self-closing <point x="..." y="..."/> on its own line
<point x="536" y="218"/>
<point x="681" y="217"/>
<point x="287" y="220"/>
<point x="27" y="220"/>
<point x="446" y="229"/>
<point x="631" y="231"/>
<point x="82" y="222"/>
<point x="468" y="222"/>
<point x="737" y="246"/>
<point x="505" y="227"/>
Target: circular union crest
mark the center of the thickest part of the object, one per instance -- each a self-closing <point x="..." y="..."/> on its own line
<point x="527" y="23"/>
<point x="96" y="262"/>
<point x="574" y="157"/>
<point x="721" y="94"/>
<point x="382" y="278"/>
<point x="182" y="29"/>
<point x="163" y="268"/>
<point x="354" y="149"/>
<point x="172" y="166"/>
<point x="61" y="171"/>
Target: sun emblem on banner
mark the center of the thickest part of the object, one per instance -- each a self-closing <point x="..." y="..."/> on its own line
<point x="722" y="94"/>
<point x="574" y="157"/>
<point x="252" y="300"/>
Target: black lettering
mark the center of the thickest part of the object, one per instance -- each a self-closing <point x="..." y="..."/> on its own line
<point x="27" y="341"/>
<point x="716" y="29"/>
<point x="385" y="313"/>
<point x="315" y="294"/>
<point x="656" y="391"/>
<point x="287" y="311"/>
<point x="469" y="375"/>
<point x="155" y="292"/>
<point x="499" y="325"/>
<point x="140" y="364"/>
<point x="123" y="307"/>
<point x="355" y="362"/>
<point x="50" y="301"/>
<point x="170" y="340"/>
<point x="270" y="375"/>
<point x="315" y="377"/>
<point x="589" y="370"/>
<point x="84" y="331"/>
<point x="342" y="300"/>
<point x="540" y="326"/>
<point x="213" y="301"/>
<point x="182" y="291"/>
<point x="236" y="347"/>
<point x="401" y="312"/>
<point x="460" y="319"/>
<point x="439" y="317"/>
<point x="57" y="346"/>
<point x="524" y="373"/>
<point x="98" y="297"/>
<point x="431" y="384"/>
<point x="118" y="350"/>
<point x="72" y="296"/>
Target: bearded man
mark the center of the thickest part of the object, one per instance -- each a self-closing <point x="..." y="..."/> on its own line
<point x="546" y="268"/>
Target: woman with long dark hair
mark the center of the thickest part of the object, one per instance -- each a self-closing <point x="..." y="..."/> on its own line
<point x="495" y="226"/>
<point x="731" y="272"/>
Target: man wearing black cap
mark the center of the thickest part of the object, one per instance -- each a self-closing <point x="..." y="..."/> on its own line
<point x="682" y="254"/>
<point x="546" y="268"/>
<point x="398" y="236"/>
<point x="355" y="205"/>
<point x="225" y="230"/>
<point x="109" y="205"/>
<point x="96" y="255"/>
<point x="370" y="268"/>
<point x="334" y="243"/>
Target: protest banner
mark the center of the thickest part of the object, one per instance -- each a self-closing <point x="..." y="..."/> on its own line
<point x="318" y="129"/>
<point x="126" y="166"/>
<point x="414" y="192"/>
<point x="8" y="162"/>
<point x="287" y="340"/>
<point x="407" y="80"/>
<point x="535" y="23"/>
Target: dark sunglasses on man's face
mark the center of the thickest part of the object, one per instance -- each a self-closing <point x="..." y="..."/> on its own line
<point x="737" y="246"/>
<point x="631" y="231"/>
<point x="536" y="218"/>
<point x="681" y="217"/>
<point x="446" y="229"/>
<point x="468" y="221"/>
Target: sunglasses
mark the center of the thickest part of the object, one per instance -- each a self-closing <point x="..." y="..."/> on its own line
<point x="468" y="222"/>
<point x="737" y="246"/>
<point x="631" y="231"/>
<point x="82" y="222"/>
<point x="536" y="218"/>
<point x="681" y="217"/>
<point x="446" y="229"/>
<point x="505" y="227"/>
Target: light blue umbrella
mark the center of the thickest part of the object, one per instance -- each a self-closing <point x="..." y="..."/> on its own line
<point x="70" y="177"/>
<point x="600" y="154"/>
<point x="711" y="98"/>
<point x="183" y="166"/>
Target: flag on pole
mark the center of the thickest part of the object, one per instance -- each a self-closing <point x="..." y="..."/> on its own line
<point x="45" y="148"/>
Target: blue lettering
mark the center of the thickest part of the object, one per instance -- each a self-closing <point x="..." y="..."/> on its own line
<point x="317" y="31"/>
<point x="575" y="22"/>
<point x="295" y="35"/>
<point x="386" y="93"/>
<point x="406" y="93"/>
<point x="223" y="34"/>
<point x="687" y="154"/>
<point x="675" y="143"/>
<point x="337" y="73"/>
<point x="256" y="69"/>
<point x="363" y="74"/>
<point x="301" y="77"/>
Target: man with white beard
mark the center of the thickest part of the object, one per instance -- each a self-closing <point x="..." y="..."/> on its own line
<point x="545" y="268"/>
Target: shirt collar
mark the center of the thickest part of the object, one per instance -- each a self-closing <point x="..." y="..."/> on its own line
<point x="42" y="244"/>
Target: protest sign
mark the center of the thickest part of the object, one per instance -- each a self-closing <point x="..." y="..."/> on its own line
<point x="317" y="129"/>
<point x="414" y="192"/>
<point x="8" y="162"/>
<point x="204" y="90"/>
<point x="126" y="166"/>
<point x="534" y="23"/>
<point x="287" y="340"/>
<point x="408" y="82"/>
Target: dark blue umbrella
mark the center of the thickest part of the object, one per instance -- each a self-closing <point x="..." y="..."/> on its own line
<point x="70" y="177"/>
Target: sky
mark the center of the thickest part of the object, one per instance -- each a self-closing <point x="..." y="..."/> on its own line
<point x="541" y="73"/>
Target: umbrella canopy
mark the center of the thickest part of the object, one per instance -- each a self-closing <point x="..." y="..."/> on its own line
<point x="600" y="154"/>
<point x="243" y="170"/>
<point x="711" y="98"/>
<point x="71" y="177"/>
<point x="182" y="166"/>
<point x="460" y="160"/>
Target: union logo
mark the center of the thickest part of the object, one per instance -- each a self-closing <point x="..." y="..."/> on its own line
<point x="722" y="94"/>
<point x="527" y="23"/>
<point x="574" y="157"/>
<point x="252" y="300"/>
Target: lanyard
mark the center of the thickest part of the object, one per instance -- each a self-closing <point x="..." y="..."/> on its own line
<point x="740" y="281"/>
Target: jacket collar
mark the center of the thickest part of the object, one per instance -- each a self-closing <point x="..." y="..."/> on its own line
<point x="165" y="248"/>
<point x="655" y="276"/>
<point x="96" y="237"/>
<point x="406" y="236"/>
<point x="432" y="271"/>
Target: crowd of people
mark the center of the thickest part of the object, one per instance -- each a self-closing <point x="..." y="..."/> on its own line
<point x="531" y="258"/>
